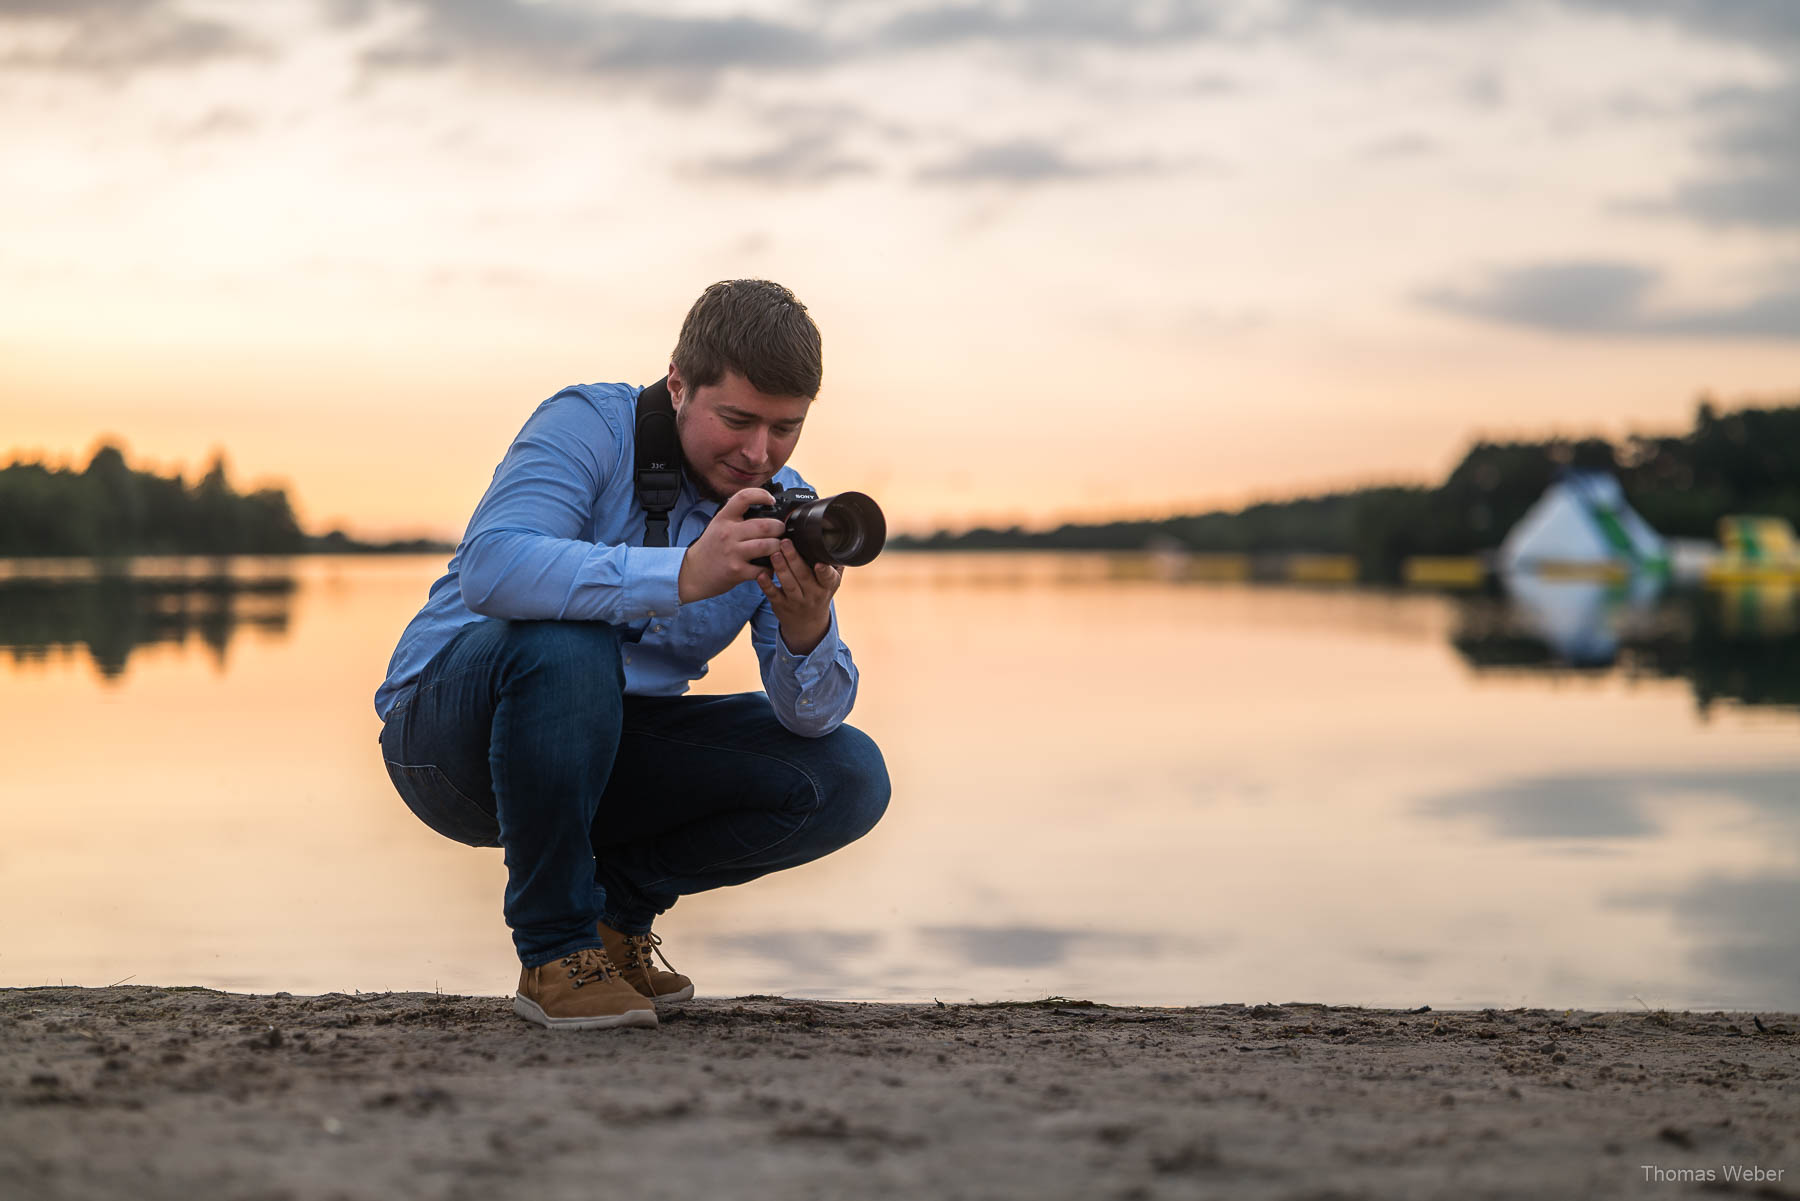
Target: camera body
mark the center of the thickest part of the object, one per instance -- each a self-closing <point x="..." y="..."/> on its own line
<point x="846" y="530"/>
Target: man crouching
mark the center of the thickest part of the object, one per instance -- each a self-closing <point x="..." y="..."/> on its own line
<point x="536" y="702"/>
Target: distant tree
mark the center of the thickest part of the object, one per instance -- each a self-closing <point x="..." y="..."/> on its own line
<point x="1746" y="461"/>
<point x="117" y="497"/>
<point x="108" y="508"/>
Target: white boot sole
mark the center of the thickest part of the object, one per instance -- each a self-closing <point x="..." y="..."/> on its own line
<point x="531" y="1011"/>
<point x="686" y="994"/>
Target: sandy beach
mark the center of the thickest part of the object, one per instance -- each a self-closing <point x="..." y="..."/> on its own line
<point x="190" y="1093"/>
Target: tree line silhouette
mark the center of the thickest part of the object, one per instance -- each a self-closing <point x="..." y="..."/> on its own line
<point x="111" y="508"/>
<point x="1747" y="461"/>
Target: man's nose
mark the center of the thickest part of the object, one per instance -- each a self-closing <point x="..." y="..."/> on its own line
<point x="756" y="446"/>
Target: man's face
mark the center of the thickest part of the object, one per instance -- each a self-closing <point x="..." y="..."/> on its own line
<point x="732" y="436"/>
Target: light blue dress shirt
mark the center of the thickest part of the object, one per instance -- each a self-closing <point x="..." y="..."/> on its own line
<point x="559" y="536"/>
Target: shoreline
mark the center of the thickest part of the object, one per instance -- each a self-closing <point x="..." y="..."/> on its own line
<point x="188" y="1092"/>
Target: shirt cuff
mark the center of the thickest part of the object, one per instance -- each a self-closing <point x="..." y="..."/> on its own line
<point x="652" y="581"/>
<point x="810" y="668"/>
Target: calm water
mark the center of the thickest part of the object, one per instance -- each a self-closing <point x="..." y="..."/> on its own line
<point x="1107" y="785"/>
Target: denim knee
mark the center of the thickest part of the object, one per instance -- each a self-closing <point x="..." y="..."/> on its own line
<point x="855" y="784"/>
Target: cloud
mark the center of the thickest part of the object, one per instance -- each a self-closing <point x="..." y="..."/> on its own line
<point x="1401" y="147"/>
<point x="1129" y="23"/>
<point x="1607" y="297"/>
<point x="1757" y="180"/>
<point x="1405" y="10"/>
<point x="346" y="12"/>
<point x="610" y="39"/>
<point x="552" y="37"/>
<point x="600" y="41"/>
<point x="118" y="37"/>
<point x="221" y="122"/>
<point x="1577" y="297"/>
<point x="1758" y="22"/>
<point x="115" y="10"/>
<point x="1029" y="161"/>
<point x="1763" y="23"/>
<point x="1755" y="184"/>
<point x="1759" y="145"/>
<point x="1484" y="89"/>
<point x="809" y="146"/>
<point x="803" y="158"/>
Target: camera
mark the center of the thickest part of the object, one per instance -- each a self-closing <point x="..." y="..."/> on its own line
<point x="846" y="530"/>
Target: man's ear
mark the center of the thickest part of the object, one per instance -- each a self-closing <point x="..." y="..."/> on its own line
<point x="677" y="388"/>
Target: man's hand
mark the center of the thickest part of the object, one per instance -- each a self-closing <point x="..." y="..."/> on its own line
<point x="802" y="601"/>
<point x="719" y="559"/>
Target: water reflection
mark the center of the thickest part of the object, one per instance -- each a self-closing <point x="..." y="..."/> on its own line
<point x="1615" y="805"/>
<point x="1030" y="946"/>
<point x="926" y="959"/>
<point x="1733" y="646"/>
<point x="1739" y="938"/>
<point x="1740" y="928"/>
<point x="834" y="962"/>
<point x="1271" y="793"/>
<point x="113" y="609"/>
<point x="1581" y="620"/>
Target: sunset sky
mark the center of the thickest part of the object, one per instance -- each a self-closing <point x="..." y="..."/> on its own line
<point x="1070" y="260"/>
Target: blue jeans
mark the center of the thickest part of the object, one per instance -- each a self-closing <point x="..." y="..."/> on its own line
<point x="518" y="734"/>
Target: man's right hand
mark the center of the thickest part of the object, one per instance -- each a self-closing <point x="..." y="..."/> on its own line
<point x="719" y="560"/>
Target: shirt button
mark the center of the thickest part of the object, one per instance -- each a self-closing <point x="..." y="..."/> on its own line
<point x="653" y="612"/>
<point x="627" y="658"/>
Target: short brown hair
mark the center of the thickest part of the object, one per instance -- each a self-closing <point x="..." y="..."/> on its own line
<point x="756" y="328"/>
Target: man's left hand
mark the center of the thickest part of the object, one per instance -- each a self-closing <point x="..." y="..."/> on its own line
<point x="802" y="601"/>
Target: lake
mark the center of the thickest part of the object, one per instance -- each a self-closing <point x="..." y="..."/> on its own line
<point x="1108" y="783"/>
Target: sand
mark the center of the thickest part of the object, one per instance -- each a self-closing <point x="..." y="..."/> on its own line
<point x="191" y="1094"/>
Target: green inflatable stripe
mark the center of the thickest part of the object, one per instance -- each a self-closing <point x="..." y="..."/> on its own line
<point x="1614" y="531"/>
<point x="1753" y="550"/>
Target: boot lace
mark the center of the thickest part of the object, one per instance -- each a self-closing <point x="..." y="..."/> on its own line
<point x="639" y="948"/>
<point x="589" y="966"/>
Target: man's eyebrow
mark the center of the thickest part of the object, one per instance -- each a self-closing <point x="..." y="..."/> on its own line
<point x="746" y="415"/>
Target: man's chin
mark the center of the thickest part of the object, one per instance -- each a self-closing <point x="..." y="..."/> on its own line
<point x="717" y="491"/>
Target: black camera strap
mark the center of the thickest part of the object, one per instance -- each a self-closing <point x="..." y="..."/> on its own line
<point x="658" y="452"/>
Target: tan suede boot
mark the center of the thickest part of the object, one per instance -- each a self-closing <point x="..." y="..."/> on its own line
<point x="583" y="991"/>
<point x="633" y="953"/>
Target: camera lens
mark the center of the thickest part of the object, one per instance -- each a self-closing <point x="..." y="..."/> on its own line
<point x="846" y="530"/>
<point x="839" y="537"/>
